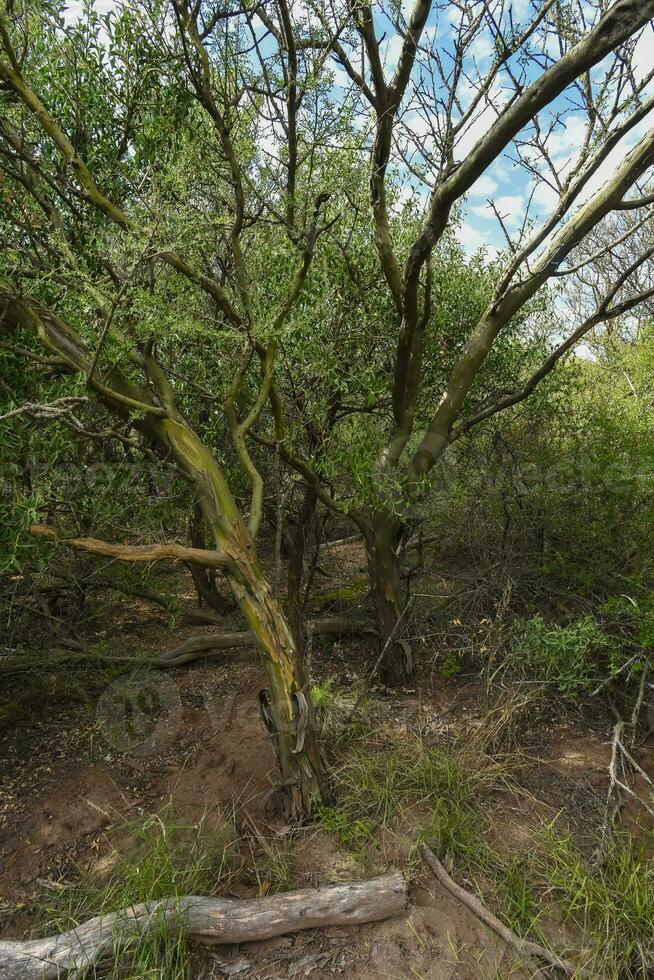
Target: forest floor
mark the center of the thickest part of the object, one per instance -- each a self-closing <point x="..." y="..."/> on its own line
<point x="82" y="786"/>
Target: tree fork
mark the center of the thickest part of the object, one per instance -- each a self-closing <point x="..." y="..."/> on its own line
<point x="288" y="711"/>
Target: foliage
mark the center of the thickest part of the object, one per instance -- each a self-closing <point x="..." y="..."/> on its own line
<point x="566" y="655"/>
<point x="53" y="684"/>
<point x="558" y="490"/>
<point x="630" y="618"/>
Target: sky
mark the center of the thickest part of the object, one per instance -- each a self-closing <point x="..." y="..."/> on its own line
<point x="509" y="186"/>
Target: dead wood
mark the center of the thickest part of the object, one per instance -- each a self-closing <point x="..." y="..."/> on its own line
<point x="202" y="645"/>
<point x="523" y="947"/>
<point x="205" y="920"/>
<point x="138" y="552"/>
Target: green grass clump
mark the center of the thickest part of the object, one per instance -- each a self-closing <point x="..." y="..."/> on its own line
<point x="165" y="860"/>
<point x="611" y="903"/>
<point x="518" y="898"/>
<point x="326" y="704"/>
<point x="352" y="834"/>
<point x="380" y="783"/>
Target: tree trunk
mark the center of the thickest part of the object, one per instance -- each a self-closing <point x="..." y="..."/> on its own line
<point x="286" y="707"/>
<point x="204" y="579"/>
<point x="396" y="667"/>
<point x="296" y="565"/>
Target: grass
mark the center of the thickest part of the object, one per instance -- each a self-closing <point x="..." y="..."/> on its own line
<point x="393" y="785"/>
<point x="271" y="864"/>
<point x="518" y="898"/>
<point x="165" y="859"/>
<point x="397" y="782"/>
<point x="610" y="904"/>
<point x="327" y="706"/>
<point x="394" y="774"/>
<point x="444" y="796"/>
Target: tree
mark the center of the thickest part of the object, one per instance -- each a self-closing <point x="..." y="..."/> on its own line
<point x="174" y="178"/>
<point x="540" y="252"/>
<point x="58" y="211"/>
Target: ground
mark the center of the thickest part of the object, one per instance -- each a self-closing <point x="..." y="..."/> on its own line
<point x="76" y="779"/>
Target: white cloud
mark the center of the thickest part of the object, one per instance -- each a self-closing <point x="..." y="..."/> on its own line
<point x="75" y="9"/>
<point x="482" y="47"/>
<point x="484" y="186"/>
<point x="481" y="121"/>
<point x="472" y="240"/>
<point x="567" y="138"/>
<point x="390" y="52"/>
<point x="341" y="77"/>
<point x="520" y="8"/>
<point x="545" y="197"/>
<point x="469" y="237"/>
<point x="430" y="35"/>
<point x="643" y="58"/>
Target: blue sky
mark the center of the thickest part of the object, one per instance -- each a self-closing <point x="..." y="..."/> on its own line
<point x="510" y="187"/>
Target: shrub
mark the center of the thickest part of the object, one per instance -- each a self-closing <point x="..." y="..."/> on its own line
<point x="566" y="655"/>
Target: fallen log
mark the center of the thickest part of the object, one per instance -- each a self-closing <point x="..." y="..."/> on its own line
<point x="205" y="920"/>
<point x="201" y="645"/>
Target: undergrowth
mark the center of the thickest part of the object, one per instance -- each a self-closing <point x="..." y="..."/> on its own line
<point x="444" y="796"/>
<point x="610" y="903"/>
<point x="52" y="683"/>
<point x="165" y="859"/>
<point x="394" y="786"/>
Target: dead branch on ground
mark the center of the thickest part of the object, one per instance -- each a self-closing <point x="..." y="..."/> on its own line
<point x="524" y="947"/>
<point x="207" y="920"/>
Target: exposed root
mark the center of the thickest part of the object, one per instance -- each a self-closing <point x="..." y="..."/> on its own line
<point x="523" y="947"/>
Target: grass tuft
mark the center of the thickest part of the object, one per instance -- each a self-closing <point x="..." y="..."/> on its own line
<point x="164" y="859"/>
<point x="611" y="904"/>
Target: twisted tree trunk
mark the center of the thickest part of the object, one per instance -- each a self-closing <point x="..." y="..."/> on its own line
<point x="286" y="704"/>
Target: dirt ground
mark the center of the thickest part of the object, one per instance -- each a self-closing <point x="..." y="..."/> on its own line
<point x="69" y="782"/>
<point x="63" y="796"/>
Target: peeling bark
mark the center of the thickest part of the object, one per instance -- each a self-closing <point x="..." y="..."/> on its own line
<point x="286" y="703"/>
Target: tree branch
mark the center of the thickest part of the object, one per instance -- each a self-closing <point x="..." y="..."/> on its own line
<point x="138" y="553"/>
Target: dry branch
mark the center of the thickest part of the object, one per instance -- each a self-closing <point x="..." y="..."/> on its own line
<point x="201" y="645"/>
<point x="194" y="647"/>
<point x="135" y="552"/>
<point x="523" y="947"/>
<point x="206" y="920"/>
